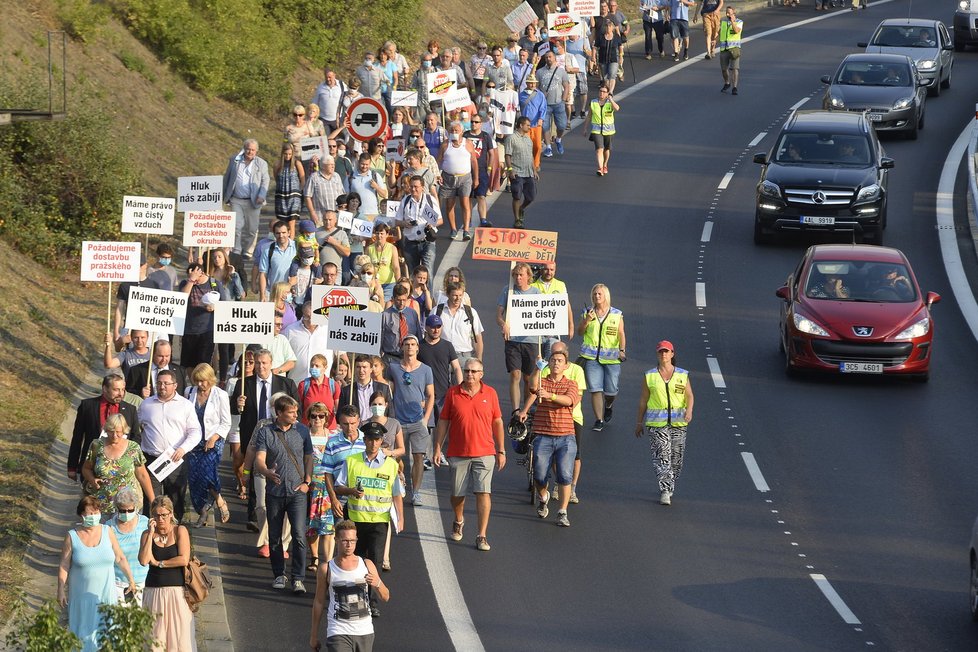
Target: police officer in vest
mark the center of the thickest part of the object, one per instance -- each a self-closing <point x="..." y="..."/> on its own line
<point x="603" y="350"/>
<point x="731" y="28"/>
<point x="665" y="410"/>
<point x="370" y="480"/>
<point x="602" y="115"/>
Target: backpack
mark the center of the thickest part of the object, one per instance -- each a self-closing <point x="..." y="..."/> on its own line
<point x="468" y="316"/>
<point x="304" y="388"/>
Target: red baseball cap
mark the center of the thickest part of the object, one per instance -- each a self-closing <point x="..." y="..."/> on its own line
<point x="665" y="344"/>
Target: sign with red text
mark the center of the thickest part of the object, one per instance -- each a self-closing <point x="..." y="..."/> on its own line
<point x="491" y="243"/>
<point x="564" y="25"/>
<point x="199" y="193"/>
<point x="518" y="19"/>
<point x="584" y="7"/>
<point x="209" y="229"/>
<point x="114" y="262"/>
<point x="325" y="297"/>
<point x="441" y="82"/>
<point x="148" y="214"/>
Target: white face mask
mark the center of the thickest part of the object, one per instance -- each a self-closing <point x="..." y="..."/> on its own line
<point x="378" y="410"/>
<point x="368" y="277"/>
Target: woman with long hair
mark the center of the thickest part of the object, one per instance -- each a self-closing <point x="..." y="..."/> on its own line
<point x="290" y="178"/>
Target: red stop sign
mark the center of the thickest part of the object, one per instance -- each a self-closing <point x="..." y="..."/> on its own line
<point x="338" y="297"/>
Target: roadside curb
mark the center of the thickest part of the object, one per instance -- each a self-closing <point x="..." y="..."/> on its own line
<point x="973" y="184"/>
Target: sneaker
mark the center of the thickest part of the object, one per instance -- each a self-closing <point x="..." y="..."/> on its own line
<point x="548" y="151"/>
<point x="662" y="55"/>
<point x="518" y="224"/>
<point x="734" y="91"/>
<point x="607" y="414"/>
<point x="675" y="56"/>
<point x="648" y="57"/>
<point x="481" y="543"/>
<point x="726" y="87"/>
<point x="457" y="530"/>
<point x="416" y="498"/>
<point x="386" y="566"/>
<point x="263" y="551"/>
<point x="280" y="582"/>
<point x="562" y="519"/>
<point x="485" y="223"/>
<point x="298" y="587"/>
<point x="665" y="498"/>
<point x="427" y="463"/>
<point x="598" y="426"/>
<point x="573" y="498"/>
<point x="559" y="145"/>
<point x="466" y="236"/>
<point x="442" y="459"/>
<point x="542" y="510"/>
<point x="451" y="236"/>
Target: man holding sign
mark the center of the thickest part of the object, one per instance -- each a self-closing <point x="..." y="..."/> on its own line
<point x="522" y="351"/>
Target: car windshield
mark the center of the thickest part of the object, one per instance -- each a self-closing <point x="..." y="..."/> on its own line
<point x="847" y="280"/>
<point x="822" y="148"/>
<point x="861" y="73"/>
<point x="905" y="36"/>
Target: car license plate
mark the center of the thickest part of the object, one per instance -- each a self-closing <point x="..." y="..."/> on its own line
<point x="875" y="117"/>
<point x="817" y="220"/>
<point x="861" y="367"/>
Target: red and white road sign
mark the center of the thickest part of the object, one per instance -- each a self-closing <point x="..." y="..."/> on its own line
<point x="366" y="119"/>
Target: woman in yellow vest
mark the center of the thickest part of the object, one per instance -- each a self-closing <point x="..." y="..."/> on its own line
<point x="603" y="351"/>
<point x="664" y="412"/>
<point x="602" y="115"/>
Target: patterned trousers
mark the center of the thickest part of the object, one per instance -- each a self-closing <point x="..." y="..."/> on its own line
<point x="668" y="444"/>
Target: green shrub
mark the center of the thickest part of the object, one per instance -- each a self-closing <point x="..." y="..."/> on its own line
<point x="136" y="64"/>
<point x="125" y="628"/>
<point x="41" y="632"/>
<point x="81" y="19"/>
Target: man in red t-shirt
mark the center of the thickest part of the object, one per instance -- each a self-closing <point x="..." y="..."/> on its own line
<point x="472" y="417"/>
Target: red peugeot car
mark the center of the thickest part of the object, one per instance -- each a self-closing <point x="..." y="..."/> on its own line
<point x="856" y="309"/>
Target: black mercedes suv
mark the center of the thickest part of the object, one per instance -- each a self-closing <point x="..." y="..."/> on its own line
<point x="827" y="172"/>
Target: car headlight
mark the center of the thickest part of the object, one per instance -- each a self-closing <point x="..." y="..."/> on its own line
<point x="806" y="325"/>
<point x="836" y="102"/>
<point x="963" y="5"/>
<point x="903" y="102"/>
<point x="868" y="193"/>
<point x="919" y="329"/>
<point x="926" y="64"/>
<point x="770" y="189"/>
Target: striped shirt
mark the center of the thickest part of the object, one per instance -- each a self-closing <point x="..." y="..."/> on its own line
<point x="553" y="419"/>
<point x="520" y="150"/>
<point x="338" y="448"/>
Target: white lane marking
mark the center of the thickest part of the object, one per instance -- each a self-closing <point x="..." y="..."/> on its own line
<point x="755" y="473"/>
<point x="701" y="295"/>
<point x="725" y="181"/>
<point x="758" y="138"/>
<point x="834" y="599"/>
<point x="707" y="232"/>
<point x="800" y="103"/>
<point x="715" y="374"/>
<point x="946" y="234"/>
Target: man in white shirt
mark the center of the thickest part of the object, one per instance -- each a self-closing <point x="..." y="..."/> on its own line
<point x="283" y="357"/>
<point x="306" y="340"/>
<point x="417" y="213"/>
<point x="168" y="422"/>
<point x="460" y="324"/>
<point x="328" y="95"/>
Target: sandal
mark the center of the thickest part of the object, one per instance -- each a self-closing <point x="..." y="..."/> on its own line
<point x="242" y="492"/>
<point x="222" y="509"/>
<point x="314" y="564"/>
<point x="202" y="519"/>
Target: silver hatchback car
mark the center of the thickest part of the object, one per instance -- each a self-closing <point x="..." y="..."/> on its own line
<point x="966" y="24"/>
<point x="925" y="41"/>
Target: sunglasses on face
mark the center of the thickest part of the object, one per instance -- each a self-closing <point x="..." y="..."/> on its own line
<point x="317" y="416"/>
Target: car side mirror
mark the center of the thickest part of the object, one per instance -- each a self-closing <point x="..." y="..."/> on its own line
<point x="826" y="79"/>
<point x="760" y="159"/>
<point x="886" y="163"/>
<point x="784" y="293"/>
<point x="862" y="44"/>
<point x="932" y="298"/>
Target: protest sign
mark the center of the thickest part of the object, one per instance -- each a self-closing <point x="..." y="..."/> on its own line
<point x="584" y="7"/>
<point x="148" y="214"/>
<point x="208" y="229"/>
<point x="441" y="82"/>
<point x="518" y="19"/>
<point x="163" y="466"/>
<point x="344" y="219"/>
<point x="404" y="98"/>
<point x="156" y="311"/>
<point x="244" y="322"/>
<point x="564" y="25"/>
<point x="325" y="297"/>
<point x="313" y="146"/>
<point x="530" y="315"/>
<point x="199" y="193"/>
<point x="354" y="331"/>
<point x="395" y="150"/>
<point x="493" y="243"/>
<point x="110" y="261"/>
<point x="456" y="99"/>
<point x="362" y="228"/>
<point x="392" y="207"/>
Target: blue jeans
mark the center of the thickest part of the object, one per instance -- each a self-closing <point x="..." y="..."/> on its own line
<point x="295" y="507"/>
<point x="419" y="253"/>
<point x="558" y="114"/>
<point x="560" y="451"/>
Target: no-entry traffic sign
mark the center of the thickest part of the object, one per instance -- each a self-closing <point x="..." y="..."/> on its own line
<point x="366" y="119"/>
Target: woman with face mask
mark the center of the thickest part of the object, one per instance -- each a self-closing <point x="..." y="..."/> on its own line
<point x="319" y="388"/>
<point x="128" y="526"/>
<point x="392" y="446"/>
<point x="320" y="529"/>
<point x="115" y="462"/>
<point x="89" y="553"/>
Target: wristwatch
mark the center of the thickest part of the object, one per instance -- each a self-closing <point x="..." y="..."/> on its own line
<point x="159" y="564"/>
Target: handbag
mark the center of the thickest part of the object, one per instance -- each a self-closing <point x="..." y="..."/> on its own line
<point x="196" y="582"/>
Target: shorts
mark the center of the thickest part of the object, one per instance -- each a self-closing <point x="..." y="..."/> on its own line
<point x="558" y="114"/>
<point x="609" y="71"/>
<point x="679" y="28"/>
<point x="558" y="451"/>
<point x="602" y="141"/>
<point x="521" y="356"/>
<point x="350" y="643"/>
<point x="483" y="188"/>
<point x="602" y="377"/>
<point x="729" y="60"/>
<point x="417" y="437"/>
<point x="455" y="185"/>
<point x="234" y="437"/>
<point x="581" y="89"/>
<point x="524" y="188"/>
<point x="476" y="471"/>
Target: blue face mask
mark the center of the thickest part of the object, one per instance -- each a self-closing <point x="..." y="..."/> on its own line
<point x="315" y="372"/>
<point x="125" y="517"/>
<point x="91" y="520"/>
<point x="426" y="64"/>
<point x="165" y="261"/>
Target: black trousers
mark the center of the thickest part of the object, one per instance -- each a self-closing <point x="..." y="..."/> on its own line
<point x="371" y="539"/>
<point x="174" y="486"/>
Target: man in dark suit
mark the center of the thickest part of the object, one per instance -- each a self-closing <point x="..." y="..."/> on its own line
<point x="91" y="416"/>
<point x="136" y="376"/>
<point x="362" y="388"/>
<point x="255" y="406"/>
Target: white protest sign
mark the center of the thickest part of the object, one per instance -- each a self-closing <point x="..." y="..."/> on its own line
<point x="584" y="7"/>
<point x="163" y="466"/>
<point x="395" y="150"/>
<point x="518" y="19"/>
<point x="110" y="261"/>
<point x="404" y="98"/>
<point x="537" y="314"/>
<point x="564" y="25"/>
<point x="354" y="331"/>
<point x="457" y="99"/>
<point x="344" y="219"/>
<point x="148" y="214"/>
<point x="362" y="228"/>
<point x="208" y="229"/>
<point x="325" y="297"/>
<point x="156" y="311"/>
<point x="441" y="82"/>
<point x="244" y="322"/>
<point x="392" y="207"/>
<point x="313" y="146"/>
<point x="199" y="193"/>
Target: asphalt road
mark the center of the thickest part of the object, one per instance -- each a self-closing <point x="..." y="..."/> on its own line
<point x="872" y="482"/>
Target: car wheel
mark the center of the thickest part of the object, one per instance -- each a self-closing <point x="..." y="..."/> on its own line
<point x="789" y="369"/>
<point x="973" y="592"/>
<point x="760" y="237"/>
<point x="947" y="82"/>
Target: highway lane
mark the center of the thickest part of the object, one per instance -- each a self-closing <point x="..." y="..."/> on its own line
<point x="718" y="570"/>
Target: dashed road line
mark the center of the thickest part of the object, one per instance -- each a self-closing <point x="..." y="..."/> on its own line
<point x="715" y="374"/>
<point x="701" y="295"/>
<point x="755" y="473"/>
<point x="707" y="232"/>
<point x="834" y="599"/>
<point x="725" y="181"/>
<point x="800" y="103"/>
<point x="758" y="138"/>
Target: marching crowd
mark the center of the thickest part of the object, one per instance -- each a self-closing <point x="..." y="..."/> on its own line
<point x="328" y="449"/>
